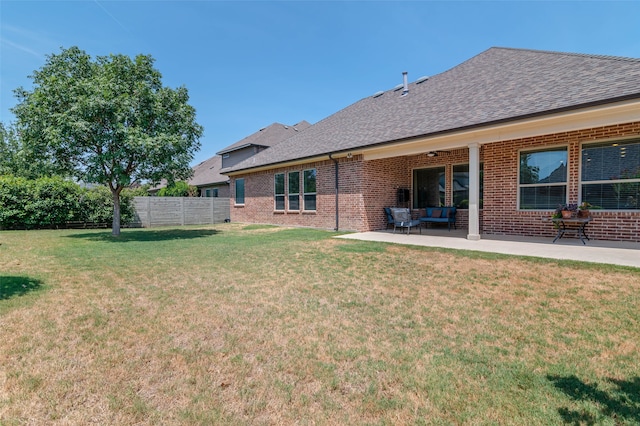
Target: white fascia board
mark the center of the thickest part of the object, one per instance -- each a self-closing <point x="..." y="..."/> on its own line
<point x="607" y="115"/>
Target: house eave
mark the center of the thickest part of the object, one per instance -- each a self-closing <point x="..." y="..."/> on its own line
<point x="238" y="148"/>
<point x="612" y="111"/>
<point x="292" y="163"/>
<point x="567" y="119"/>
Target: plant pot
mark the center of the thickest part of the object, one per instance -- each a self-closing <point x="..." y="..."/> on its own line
<point x="583" y="213"/>
<point x="567" y="214"/>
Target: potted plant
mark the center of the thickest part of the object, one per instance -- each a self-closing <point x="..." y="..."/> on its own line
<point x="565" y="211"/>
<point x="583" y="209"/>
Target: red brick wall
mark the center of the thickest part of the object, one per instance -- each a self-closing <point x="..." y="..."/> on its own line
<point x="259" y="197"/>
<point x="366" y="187"/>
<point x="500" y="213"/>
<point x="382" y="179"/>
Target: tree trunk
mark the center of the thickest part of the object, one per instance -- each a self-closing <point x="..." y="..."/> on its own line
<point x="115" y="227"/>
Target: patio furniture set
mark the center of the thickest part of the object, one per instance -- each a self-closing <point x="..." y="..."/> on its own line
<point x="402" y="218"/>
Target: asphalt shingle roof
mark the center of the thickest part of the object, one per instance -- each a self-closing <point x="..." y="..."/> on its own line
<point x="499" y="84"/>
<point x="268" y="136"/>
<point x="208" y="172"/>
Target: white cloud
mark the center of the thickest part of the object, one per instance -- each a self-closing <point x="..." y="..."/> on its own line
<point x="20" y="47"/>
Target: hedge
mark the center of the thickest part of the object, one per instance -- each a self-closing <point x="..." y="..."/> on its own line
<point x="53" y="202"/>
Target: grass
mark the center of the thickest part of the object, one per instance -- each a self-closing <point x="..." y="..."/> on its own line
<point x="262" y="325"/>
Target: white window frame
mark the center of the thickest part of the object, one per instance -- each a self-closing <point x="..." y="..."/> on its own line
<point x="453" y="173"/>
<point x="565" y="184"/>
<point x="276" y="195"/>
<point x="581" y="183"/>
<point x="304" y="193"/>
<point x="244" y="190"/>
<point x="290" y="194"/>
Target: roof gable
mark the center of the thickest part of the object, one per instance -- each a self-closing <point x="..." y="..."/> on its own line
<point x="267" y="136"/>
<point x="208" y="172"/>
<point x="500" y="84"/>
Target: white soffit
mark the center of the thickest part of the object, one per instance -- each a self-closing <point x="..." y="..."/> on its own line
<point x="607" y="115"/>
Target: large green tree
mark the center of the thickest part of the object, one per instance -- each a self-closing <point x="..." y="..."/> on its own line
<point x="17" y="159"/>
<point x="108" y="121"/>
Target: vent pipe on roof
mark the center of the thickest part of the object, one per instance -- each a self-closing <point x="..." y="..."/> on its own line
<point x="405" y="84"/>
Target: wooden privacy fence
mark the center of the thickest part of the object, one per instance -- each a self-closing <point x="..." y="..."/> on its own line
<point x="175" y="211"/>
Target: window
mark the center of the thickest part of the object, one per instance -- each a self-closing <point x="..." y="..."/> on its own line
<point x="210" y="192"/>
<point x="542" y="182"/>
<point x="309" y="187"/>
<point x="428" y="187"/>
<point x="240" y="191"/>
<point x="279" y="191"/>
<point x="294" y="190"/>
<point x="460" y="185"/>
<point x="610" y="177"/>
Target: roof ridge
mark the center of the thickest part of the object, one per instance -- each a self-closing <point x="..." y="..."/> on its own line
<point x="554" y="52"/>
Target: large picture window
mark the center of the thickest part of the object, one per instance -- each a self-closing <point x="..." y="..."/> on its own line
<point x="542" y="182"/>
<point x="279" y="191"/>
<point x="610" y="176"/>
<point x="428" y="187"/>
<point x="309" y="188"/>
<point x="294" y="190"/>
<point x="240" y="191"/>
<point x="460" y="185"/>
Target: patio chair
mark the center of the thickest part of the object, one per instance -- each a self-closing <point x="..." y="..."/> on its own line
<point x="402" y="219"/>
<point x="387" y="212"/>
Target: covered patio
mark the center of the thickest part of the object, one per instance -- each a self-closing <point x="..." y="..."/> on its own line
<point x="596" y="251"/>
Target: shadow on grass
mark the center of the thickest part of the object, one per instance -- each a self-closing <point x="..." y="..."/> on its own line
<point x="621" y="403"/>
<point x="146" y="235"/>
<point x="12" y="286"/>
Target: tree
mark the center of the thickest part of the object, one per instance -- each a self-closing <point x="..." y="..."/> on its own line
<point x="108" y="121"/>
<point x="178" y="189"/>
<point x="17" y="159"/>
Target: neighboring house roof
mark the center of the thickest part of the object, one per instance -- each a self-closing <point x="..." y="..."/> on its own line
<point x="205" y="173"/>
<point x="267" y="136"/>
<point x="498" y="85"/>
<point x="208" y="172"/>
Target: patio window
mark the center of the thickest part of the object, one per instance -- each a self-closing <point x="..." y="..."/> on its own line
<point x="309" y="188"/>
<point x="279" y="191"/>
<point x="542" y="182"/>
<point x="610" y="175"/>
<point x="428" y="187"/>
<point x="294" y="190"/>
<point x="240" y="191"/>
<point x="460" y="185"/>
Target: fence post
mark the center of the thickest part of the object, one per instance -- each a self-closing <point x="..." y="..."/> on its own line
<point x="182" y="211"/>
<point x="148" y="218"/>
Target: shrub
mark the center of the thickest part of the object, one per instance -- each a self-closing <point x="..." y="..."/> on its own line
<point x="178" y="189"/>
<point x="14" y="194"/>
<point x="53" y="202"/>
<point x="97" y="206"/>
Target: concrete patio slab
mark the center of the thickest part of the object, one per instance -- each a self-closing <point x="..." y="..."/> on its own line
<point x="608" y="252"/>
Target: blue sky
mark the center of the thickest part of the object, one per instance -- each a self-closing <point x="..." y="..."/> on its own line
<point x="248" y="64"/>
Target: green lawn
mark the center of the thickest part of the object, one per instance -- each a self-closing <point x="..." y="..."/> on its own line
<point x="233" y="324"/>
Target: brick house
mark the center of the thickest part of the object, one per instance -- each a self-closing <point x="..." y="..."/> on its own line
<point x="505" y="136"/>
<point x="258" y="142"/>
<point x="208" y="179"/>
<point x="207" y="176"/>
